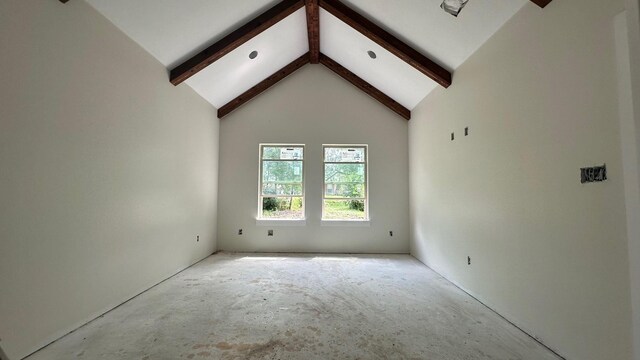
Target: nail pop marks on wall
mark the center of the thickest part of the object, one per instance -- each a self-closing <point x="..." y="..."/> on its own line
<point x="593" y="174"/>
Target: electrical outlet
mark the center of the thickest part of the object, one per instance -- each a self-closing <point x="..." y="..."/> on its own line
<point x="239" y="231"/>
<point x="453" y="136"/>
<point x="466" y="131"/>
<point x="269" y="232"/>
<point x="468" y="260"/>
<point x="390" y="233"/>
<point x="198" y="238"/>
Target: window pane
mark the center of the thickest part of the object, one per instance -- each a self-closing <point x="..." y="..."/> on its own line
<point x="344" y="173"/>
<point x="335" y="154"/>
<point x="281" y="189"/>
<point x="282" y="171"/>
<point x="282" y="208"/>
<point x="344" y="210"/>
<point x="344" y="190"/>
<point x="282" y="153"/>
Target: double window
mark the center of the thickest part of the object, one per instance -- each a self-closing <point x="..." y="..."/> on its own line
<point x="282" y="182"/>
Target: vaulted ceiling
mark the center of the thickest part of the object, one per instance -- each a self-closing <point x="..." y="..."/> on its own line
<point x="207" y="43"/>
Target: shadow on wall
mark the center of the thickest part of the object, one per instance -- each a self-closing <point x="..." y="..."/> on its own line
<point x="3" y="356"/>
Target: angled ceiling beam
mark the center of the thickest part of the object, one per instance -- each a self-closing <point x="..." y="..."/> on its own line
<point x="392" y="44"/>
<point x="365" y="86"/>
<point x="541" y="3"/>
<point x="313" y="28"/>
<point x="230" y="42"/>
<point x="263" y="85"/>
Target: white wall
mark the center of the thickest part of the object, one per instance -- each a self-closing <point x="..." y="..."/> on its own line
<point x="629" y="153"/>
<point x="107" y="171"/>
<point x="313" y="107"/>
<point x="3" y="356"/>
<point x="548" y="253"/>
<point x="633" y="203"/>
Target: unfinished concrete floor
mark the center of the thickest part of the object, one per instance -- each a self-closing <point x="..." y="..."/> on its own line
<point x="247" y="306"/>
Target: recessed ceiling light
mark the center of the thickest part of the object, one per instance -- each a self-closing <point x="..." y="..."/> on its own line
<point x="372" y="54"/>
<point x="253" y="55"/>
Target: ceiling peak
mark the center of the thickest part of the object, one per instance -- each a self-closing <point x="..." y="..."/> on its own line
<point x="313" y="28"/>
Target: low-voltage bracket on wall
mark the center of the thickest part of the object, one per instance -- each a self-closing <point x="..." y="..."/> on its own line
<point x="593" y="174"/>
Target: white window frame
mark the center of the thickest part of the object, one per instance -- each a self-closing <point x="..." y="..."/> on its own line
<point x="267" y="220"/>
<point x="366" y="181"/>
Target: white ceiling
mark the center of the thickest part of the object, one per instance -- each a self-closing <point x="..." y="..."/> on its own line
<point x="387" y="72"/>
<point x="174" y="30"/>
<point x="234" y="73"/>
<point x="443" y="38"/>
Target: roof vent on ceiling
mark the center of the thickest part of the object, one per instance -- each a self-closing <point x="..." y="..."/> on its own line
<point x="253" y="55"/>
<point x="453" y="7"/>
<point x="372" y="54"/>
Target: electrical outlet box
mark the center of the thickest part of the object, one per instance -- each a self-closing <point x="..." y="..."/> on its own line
<point x="390" y="233"/>
<point x="269" y="232"/>
<point x="239" y="231"/>
<point x="198" y="238"/>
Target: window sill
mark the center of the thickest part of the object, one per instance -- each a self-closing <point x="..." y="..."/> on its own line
<point x="281" y="222"/>
<point x="357" y="223"/>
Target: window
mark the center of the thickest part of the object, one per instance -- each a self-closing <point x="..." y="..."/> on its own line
<point x="345" y="183"/>
<point x="281" y="185"/>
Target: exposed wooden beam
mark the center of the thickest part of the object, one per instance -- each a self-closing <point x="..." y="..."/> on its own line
<point x="313" y="28"/>
<point x="541" y="3"/>
<point x="263" y="85"/>
<point x="230" y="42"/>
<point x="365" y="86"/>
<point x="388" y="41"/>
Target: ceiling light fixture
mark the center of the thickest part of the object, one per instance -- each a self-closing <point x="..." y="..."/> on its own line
<point x="453" y="7"/>
<point x="372" y="54"/>
<point x="253" y="55"/>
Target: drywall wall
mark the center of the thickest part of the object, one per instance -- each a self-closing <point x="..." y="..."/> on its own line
<point x="629" y="132"/>
<point x="3" y="356"/>
<point x="548" y="253"/>
<point x="108" y="172"/>
<point x="313" y="107"/>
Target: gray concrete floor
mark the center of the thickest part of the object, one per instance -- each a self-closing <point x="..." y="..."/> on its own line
<point x="247" y="306"/>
